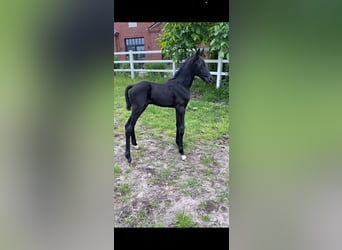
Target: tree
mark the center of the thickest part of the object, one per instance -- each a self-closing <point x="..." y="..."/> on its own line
<point x="179" y="40"/>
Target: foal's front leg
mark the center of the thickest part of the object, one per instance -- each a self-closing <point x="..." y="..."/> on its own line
<point x="180" y="112"/>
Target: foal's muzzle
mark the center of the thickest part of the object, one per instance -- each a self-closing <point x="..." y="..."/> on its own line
<point x="208" y="79"/>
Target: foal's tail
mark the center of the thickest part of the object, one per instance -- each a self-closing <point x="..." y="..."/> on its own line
<point x="128" y="103"/>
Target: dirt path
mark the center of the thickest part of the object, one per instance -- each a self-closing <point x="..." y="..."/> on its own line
<point x="158" y="185"/>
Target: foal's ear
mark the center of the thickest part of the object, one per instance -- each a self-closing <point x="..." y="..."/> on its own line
<point x="200" y="52"/>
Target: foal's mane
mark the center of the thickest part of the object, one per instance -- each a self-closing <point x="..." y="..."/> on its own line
<point x="181" y="69"/>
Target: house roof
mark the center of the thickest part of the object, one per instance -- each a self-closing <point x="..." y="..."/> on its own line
<point x="155" y="27"/>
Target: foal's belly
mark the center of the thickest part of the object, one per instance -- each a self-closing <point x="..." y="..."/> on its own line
<point x="161" y="96"/>
<point x="162" y="102"/>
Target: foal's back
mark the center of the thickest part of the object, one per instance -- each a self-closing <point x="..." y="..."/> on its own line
<point x="160" y="94"/>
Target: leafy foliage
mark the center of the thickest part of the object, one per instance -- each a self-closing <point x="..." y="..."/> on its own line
<point x="179" y="40"/>
<point x="219" y="39"/>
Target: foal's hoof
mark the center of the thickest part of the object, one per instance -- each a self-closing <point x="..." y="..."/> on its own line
<point x="183" y="157"/>
<point x="135" y="146"/>
<point x="128" y="157"/>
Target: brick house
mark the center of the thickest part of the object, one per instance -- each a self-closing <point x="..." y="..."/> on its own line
<point x="137" y="36"/>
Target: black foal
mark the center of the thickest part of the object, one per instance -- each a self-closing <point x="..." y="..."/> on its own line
<point x="175" y="93"/>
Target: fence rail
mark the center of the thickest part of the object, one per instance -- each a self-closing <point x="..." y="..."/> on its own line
<point x="219" y="73"/>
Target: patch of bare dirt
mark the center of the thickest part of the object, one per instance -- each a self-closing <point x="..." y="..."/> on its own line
<point x="158" y="185"/>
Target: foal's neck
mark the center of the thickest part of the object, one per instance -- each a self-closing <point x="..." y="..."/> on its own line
<point x="184" y="76"/>
<point x="185" y="81"/>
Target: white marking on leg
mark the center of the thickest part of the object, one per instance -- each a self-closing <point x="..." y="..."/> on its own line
<point x="135" y="146"/>
<point x="183" y="157"/>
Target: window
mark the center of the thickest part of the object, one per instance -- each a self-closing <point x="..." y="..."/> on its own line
<point x="135" y="44"/>
<point x="132" y="25"/>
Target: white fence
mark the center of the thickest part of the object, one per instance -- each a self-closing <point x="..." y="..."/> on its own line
<point x="131" y="62"/>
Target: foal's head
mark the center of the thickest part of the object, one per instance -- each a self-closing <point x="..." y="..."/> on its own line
<point x="200" y="68"/>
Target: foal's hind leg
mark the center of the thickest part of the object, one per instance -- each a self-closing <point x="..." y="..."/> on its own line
<point x="128" y="132"/>
<point x="134" y="141"/>
<point x="129" y="129"/>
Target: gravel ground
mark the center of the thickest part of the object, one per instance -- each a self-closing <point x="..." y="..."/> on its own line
<point x="158" y="185"/>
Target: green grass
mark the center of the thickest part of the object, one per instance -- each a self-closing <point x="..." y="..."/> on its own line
<point x="205" y="218"/>
<point x="183" y="220"/>
<point x="168" y="203"/>
<point x="207" y="160"/>
<point x="157" y="225"/>
<point x="125" y="193"/>
<point x="165" y="173"/>
<point x="206" y="116"/>
<point x="142" y="214"/>
<point x="207" y="171"/>
<point x="201" y="206"/>
<point x="193" y="183"/>
<point x="188" y="187"/>
<point x="125" y="189"/>
<point x="117" y="171"/>
<point x="155" y="204"/>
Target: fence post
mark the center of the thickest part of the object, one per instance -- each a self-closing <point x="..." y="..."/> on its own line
<point x="219" y="72"/>
<point x="173" y="68"/>
<point x="131" y="64"/>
